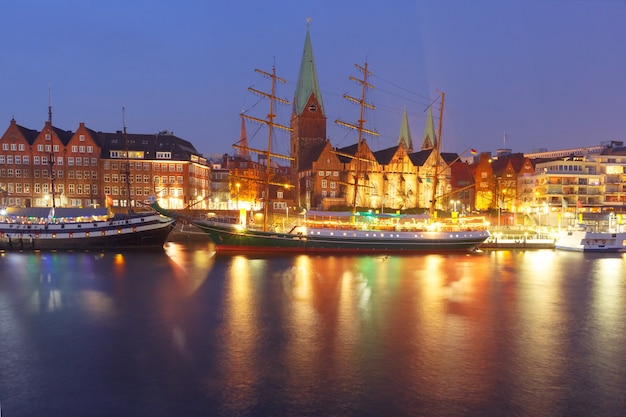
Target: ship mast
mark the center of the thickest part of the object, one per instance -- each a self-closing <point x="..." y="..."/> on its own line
<point x="437" y="150"/>
<point x="51" y="162"/>
<point x="270" y="125"/>
<point x="127" y="166"/>
<point x="360" y="126"/>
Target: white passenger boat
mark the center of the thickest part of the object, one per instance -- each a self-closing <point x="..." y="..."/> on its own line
<point x="591" y="238"/>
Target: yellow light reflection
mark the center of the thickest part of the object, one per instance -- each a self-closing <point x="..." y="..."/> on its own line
<point x="241" y="334"/>
<point x="608" y="306"/>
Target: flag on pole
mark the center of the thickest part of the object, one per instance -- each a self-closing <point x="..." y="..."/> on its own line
<point x="473" y="151"/>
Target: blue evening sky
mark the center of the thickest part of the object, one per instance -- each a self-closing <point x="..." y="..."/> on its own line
<point x="551" y="74"/>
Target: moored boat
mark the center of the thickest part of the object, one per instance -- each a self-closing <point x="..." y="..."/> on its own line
<point x="81" y="230"/>
<point x="585" y="239"/>
<point x="595" y="232"/>
<point x="355" y="236"/>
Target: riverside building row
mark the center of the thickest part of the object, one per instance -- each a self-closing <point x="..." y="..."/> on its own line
<point x="89" y="168"/>
<point x="53" y="167"/>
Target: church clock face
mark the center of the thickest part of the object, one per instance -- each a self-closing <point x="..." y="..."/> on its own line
<point x="312" y="107"/>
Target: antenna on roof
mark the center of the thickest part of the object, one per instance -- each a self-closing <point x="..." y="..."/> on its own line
<point x="124" y="120"/>
<point x="50" y="102"/>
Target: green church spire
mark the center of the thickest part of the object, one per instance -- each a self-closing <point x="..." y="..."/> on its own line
<point x="430" y="137"/>
<point x="307" y="80"/>
<point x="405" y="133"/>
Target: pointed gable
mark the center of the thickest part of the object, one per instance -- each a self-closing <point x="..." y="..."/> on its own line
<point x="419" y="158"/>
<point x="518" y="162"/>
<point x="324" y="156"/>
<point x="16" y="134"/>
<point x="345" y="151"/>
<point x="82" y="143"/>
<point x="450" y="157"/>
<point x="405" y="133"/>
<point x="50" y="140"/>
<point x="430" y="137"/>
<point x="307" y="81"/>
<point x="384" y="156"/>
<point x="499" y="166"/>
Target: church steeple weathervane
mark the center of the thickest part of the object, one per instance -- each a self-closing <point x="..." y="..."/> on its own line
<point x="308" y="118"/>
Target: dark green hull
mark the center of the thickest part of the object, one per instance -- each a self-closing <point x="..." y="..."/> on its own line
<point x="236" y="239"/>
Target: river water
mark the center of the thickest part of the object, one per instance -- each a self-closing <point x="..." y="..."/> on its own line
<point x="185" y="333"/>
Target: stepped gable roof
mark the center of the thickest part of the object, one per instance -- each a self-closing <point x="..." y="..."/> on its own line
<point x="29" y="134"/>
<point x="307" y="80"/>
<point x="405" y="132"/>
<point x="64" y="135"/>
<point x="348" y="150"/>
<point x="419" y="158"/>
<point x="312" y="156"/>
<point x="430" y="137"/>
<point x="384" y="156"/>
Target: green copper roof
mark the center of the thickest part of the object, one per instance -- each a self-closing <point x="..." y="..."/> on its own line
<point x="405" y="133"/>
<point x="307" y="80"/>
<point x="430" y="137"/>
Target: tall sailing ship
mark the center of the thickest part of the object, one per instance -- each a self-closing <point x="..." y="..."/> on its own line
<point x="81" y="228"/>
<point x="333" y="232"/>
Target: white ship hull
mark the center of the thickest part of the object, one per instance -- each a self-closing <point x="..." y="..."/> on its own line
<point x="589" y="241"/>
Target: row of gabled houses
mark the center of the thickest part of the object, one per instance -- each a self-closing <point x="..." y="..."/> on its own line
<point x="52" y="167"/>
<point x="86" y="168"/>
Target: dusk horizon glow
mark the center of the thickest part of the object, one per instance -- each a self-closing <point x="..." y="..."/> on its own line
<point x="542" y="74"/>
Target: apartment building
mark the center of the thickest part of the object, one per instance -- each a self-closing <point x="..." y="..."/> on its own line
<point x="54" y="167"/>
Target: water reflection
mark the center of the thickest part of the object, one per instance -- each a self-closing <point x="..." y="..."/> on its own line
<point x="502" y="333"/>
<point x="446" y="327"/>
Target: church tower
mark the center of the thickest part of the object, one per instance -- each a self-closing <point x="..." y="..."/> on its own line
<point x="308" y="120"/>
<point x="430" y="137"/>
<point x="405" y="133"/>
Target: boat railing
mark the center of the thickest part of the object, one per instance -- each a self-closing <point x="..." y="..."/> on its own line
<point x="520" y="238"/>
<point x="397" y="227"/>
